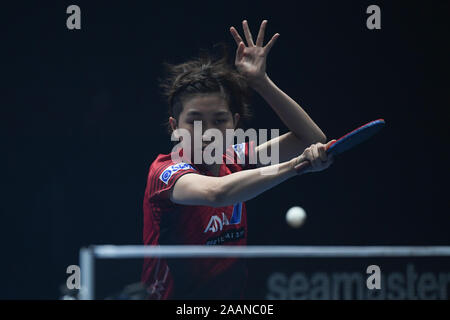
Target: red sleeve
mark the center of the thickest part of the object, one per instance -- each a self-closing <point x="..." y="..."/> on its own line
<point x="163" y="175"/>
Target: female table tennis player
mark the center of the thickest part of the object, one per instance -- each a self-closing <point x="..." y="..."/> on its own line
<point x="203" y="204"/>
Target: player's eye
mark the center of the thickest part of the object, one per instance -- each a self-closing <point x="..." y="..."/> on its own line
<point x="191" y="121"/>
<point x="221" y="121"/>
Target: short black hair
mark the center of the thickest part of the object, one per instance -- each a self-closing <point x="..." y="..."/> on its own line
<point x="206" y="74"/>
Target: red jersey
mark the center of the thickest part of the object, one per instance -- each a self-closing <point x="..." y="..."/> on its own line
<point x="168" y="223"/>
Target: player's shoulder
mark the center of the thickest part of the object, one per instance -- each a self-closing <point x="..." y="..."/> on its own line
<point x="161" y="160"/>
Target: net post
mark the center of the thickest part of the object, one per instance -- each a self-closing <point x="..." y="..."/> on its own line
<point x="87" y="266"/>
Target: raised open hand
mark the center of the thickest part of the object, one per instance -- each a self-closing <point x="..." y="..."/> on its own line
<point x="251" y="59"/>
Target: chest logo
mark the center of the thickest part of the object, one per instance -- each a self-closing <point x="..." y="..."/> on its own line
<point x="217" y="223"/>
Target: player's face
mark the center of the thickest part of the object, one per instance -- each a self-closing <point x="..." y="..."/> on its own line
<point x="212" y="112"/>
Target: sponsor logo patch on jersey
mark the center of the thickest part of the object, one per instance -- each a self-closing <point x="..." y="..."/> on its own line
<point x="216" y="224"/>
<point x="240" y="150"/>
<point x="169" y="171"/>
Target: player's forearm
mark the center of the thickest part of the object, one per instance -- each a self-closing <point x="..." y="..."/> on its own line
<point x="247" y="184"/>
<point x="290" y="112"/>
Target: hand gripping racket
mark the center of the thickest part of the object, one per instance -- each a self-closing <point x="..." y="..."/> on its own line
<point x="352" y="139"/>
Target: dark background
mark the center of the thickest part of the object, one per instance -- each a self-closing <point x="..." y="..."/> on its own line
<point x="82" y="119"/>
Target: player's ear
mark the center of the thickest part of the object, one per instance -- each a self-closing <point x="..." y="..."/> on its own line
<point x="173" y="124"/>
<point x="236" y="118"/>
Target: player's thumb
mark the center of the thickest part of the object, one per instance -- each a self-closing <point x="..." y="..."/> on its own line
<point x="330" y="143"/>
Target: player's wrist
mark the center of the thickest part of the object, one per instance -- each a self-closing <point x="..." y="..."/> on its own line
<point x="294" y="165"/>
<point x="260" y="84"/>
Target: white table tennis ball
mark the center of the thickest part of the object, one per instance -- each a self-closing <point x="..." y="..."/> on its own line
<point x="295" y="217"/>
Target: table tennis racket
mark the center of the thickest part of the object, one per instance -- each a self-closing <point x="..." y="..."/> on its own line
<point x="352" y="139"/>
